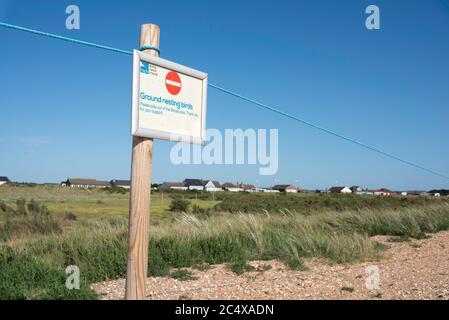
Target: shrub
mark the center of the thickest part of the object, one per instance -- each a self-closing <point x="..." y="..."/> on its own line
<point x="70" y="216"/>
<point x="180" y="205"/>
<point x="182" y="275"/>
<point x="240" y="267"/>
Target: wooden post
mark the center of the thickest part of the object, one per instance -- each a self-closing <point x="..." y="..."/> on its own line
<point x="139" y="202"/>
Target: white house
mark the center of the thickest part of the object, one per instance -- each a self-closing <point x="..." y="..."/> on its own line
<point x="344" y="190"/>
<point x="4" y="180"/>
<point x="231" y="187"/>
<point x="194" y="184"/>
<point x="125" y="184"/>
<point x="289" y="188"/>
<point x="212" y="186"/>
<point x="436" y="194"/>
<point x="248" y="187"/>
<point x="85" y="183"/>
<point x="173" y="186"/>
<point x="269" y="190"/>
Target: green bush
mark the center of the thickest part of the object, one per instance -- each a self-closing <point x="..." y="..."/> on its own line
<point x="180" y="205"/>
<point x="240" y="267"/>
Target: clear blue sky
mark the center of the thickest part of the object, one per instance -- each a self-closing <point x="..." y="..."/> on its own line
<point x="65" y="108"/>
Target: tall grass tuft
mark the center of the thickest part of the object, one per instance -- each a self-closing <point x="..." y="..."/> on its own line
<point x="26" y="219"/>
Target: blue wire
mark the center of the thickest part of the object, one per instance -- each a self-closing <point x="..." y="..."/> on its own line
<point x="237" y="95"/>
<point x="260" y="104"/>
<point x="51" y="35"/>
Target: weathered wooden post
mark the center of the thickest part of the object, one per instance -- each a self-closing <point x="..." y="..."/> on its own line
<point x="139" y="204"/>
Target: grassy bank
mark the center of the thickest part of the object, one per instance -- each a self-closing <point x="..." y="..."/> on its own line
<point x="312" y="203"/>
<point x="34" y="269"/>
<point x="95" y="203"/>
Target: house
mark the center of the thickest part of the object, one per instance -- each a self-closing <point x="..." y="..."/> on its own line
<point x="435" y="194"/>
<point x="231" y="187"/>
<point x="125" y="184"/>
<point x="212" y="186"/>
<point x="356" y="190"/>
<point x="193" y="184"/>
<point x="303" y="191"/>
<point x="285" y="188"/>
<point x="384" y="192"/>
<point x="442" y="192"/>
<point x="248" y="187"/>
<point x="173" y="186"/>
<point x="86" y="183"/>
<point x="270" y="190"/>
<point x="417" y="193"/>
<point x="345" y="190"/>
<point x="4" y="180"/>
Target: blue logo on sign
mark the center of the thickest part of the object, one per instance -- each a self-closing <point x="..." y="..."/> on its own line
<point x="144" y="67"/>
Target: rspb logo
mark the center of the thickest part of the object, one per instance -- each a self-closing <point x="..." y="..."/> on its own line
<point x="144" y="67"/>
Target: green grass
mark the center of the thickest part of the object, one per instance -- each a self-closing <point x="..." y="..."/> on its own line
<point x="202" y="266"/>
<point x="315" y="203"/>
<point x="182" y="275"/>
<point x="34" y="267"/>
<point x="94" y="203"/>
<point x="240" y="267"/>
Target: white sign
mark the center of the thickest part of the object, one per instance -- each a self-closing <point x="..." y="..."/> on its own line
<point x="169" y="100"/>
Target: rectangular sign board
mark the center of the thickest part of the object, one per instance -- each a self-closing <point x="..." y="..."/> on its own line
<point x="169" y="100"/>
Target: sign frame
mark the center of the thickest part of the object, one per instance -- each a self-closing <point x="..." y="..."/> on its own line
<point x="139" y="56"/>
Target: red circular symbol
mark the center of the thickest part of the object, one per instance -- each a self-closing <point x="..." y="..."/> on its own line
<point x="173" y="83"/>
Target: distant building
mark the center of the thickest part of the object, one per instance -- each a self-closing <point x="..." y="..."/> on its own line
<point x="85" y="183"/>
<point x="125" y="184"/>
<point x="356" y="190"/>
<point x="228" y="186"/>
<point x="4" y="180"/>
<point x="436" y="194"/>
<point x="418" y="193"/>
<point x="173" y="186"/>
<point x="194" y="184"/>
<point x="248" y="187"/>
<point x="212" y="186"/>
<point x="270" y="190"/>
<point x="285" y="188"/>
<point x="345" y="190"/>
<point x="384" y="192"/>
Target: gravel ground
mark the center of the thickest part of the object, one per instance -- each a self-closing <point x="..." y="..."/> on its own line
<point x="418" y="269"/>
